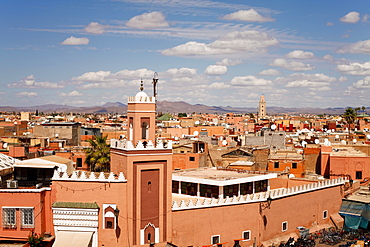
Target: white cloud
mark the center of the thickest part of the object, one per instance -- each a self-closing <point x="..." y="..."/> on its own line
<point x="249" y="81"/>
<point x="247" y="15"/>
<point x="219" y="85"/>
<point x="75" y="41"/>
<point x="150" y="20"/>
<point x="351" y="17"/>
<point x="95" y="28"/>
<point x="304" y="76"/>
<point x="234" y="42"/>
<point x="182" y="72"/>
<point x="328" y="57"/>
<point x="358" y="47"/>
<point x="216" y="70"/>
<point x="134" y="74"/>
<point x="294" y="66"/>
<point x="366" y="18"/>
<point x="71" y="94"/>
<point x="270" y="72"/>
<point x="355" y="68"/>
<point x="343" y="79"/>
<point x="282" y="91"/>
<point x="318" y="82"/>
<point x="229" y="62"/>
<point x="26" y="94"/>
<point x="299" y="54"/>
<point x="329" y="24"/>
<point x="310" y="84"/>
<point x="106" y="76"/>
<point x="110" y="84"/>
<point x="364" y="83"/>
<point x="92" y="76"/>
<point x="30" y="82"/>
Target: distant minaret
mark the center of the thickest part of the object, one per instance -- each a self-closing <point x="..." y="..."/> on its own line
<point x="262" y="107"/>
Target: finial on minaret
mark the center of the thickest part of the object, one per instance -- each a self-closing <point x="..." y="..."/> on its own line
<point x="141" y="86"/>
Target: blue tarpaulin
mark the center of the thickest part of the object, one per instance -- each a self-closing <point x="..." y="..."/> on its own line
<point x="356" y="214"/>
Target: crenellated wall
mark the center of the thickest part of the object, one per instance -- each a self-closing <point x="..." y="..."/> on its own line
<point x="82" y="176"/>
<point x="141" y="99"/>
<point x="128" y="145"/>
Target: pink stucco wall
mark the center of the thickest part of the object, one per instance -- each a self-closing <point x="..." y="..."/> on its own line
<point x="196" y="226"/>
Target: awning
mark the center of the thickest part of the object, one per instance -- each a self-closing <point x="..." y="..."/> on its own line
<point x="356" y="214"/>
<point x="73" y="239"/>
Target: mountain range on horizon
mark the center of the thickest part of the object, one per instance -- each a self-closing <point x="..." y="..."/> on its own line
<point x="174" y="108"/>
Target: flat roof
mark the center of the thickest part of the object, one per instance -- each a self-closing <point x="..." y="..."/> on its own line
<point x="219" y="177"/>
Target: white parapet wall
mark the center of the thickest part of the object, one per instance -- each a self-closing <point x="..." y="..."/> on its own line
<point x="194" y="203"/>
<point x="128" y="145"/>
<point x="82" y="176"/>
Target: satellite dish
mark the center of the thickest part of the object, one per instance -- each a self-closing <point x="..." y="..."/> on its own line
<point x="368" y="136"/>
<point x="336" y="136"/>
<point x="224" y="142"/>
<point x="317" y="141"/>
<point x="196" y="122"/>
<point x="56" y="135"/>
<point x="5" y="145"/>
<point x="273" y="127"/>
<point x="195" y="133"/>
<point x="354" y="140"/>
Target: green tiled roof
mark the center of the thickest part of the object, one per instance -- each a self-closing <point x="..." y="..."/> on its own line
<point x="165" y="117"/>
<point x="89" y="205"/>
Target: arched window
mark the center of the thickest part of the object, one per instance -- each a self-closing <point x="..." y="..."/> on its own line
<point x="144" y="127"/>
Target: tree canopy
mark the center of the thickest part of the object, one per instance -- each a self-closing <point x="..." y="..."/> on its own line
<point x="350" y="116"/>
<point x="98" y="154"/>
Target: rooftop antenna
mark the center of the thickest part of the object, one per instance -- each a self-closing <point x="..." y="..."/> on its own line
<point x="155" y="81"/>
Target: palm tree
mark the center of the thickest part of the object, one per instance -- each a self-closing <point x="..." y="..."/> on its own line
<point x="350" y="116"/>
<point x="98" y="154"/>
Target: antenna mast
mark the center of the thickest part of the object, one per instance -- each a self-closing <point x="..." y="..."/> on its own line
<point x="155" y="81"/>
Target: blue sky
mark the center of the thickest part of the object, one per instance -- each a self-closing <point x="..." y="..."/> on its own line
<point x="223" y="53"/>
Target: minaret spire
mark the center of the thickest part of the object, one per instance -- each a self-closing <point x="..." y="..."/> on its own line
<point x="141" y="85"/>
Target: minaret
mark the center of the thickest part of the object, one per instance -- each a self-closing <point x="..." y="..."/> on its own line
<point x="141" y="117"/>
<point x="262" y="107"/>
<point x="147" y="166"/>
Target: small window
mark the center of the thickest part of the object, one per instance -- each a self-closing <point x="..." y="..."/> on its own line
<point x="79" y="162"/>
<point x="358" y="174"/>
<point x="285" y="226"/>
<point x="109" y="224"/>
<point x="246" y="235"/>
<point x="325" y="214"/>
<point x="149" y="186"/>
<point x="294" y="165"/>
<point x="182" y="151"/>
<point x="276" y="164"/>
<point x="215" y="239"/>
<point x="191" y="158"/>
<point x="27" y="218"/>
<point x="9" y="218"/>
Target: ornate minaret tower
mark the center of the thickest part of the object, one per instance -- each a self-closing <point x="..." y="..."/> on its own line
<point x="147" y="166"/>
<point x="262" y="107"/>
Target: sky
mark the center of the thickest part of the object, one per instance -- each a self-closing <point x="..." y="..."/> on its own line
<point x="307" y="53"/>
